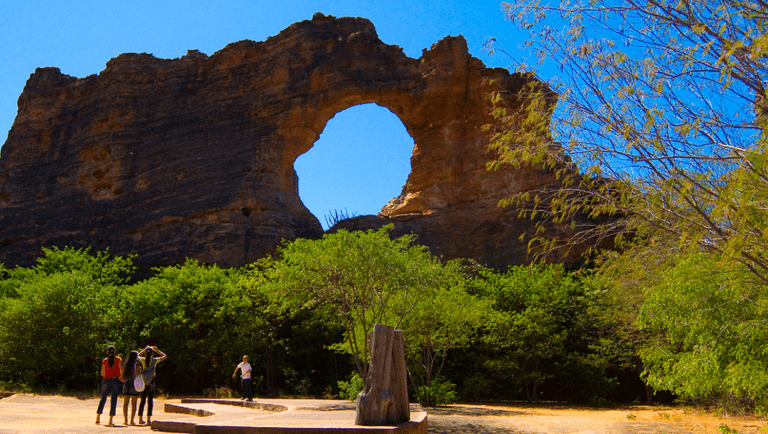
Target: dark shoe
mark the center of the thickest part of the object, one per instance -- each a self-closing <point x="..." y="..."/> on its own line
<point x="249" y="399"/>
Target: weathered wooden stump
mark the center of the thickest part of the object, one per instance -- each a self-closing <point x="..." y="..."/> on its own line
<point x="384" y="400"/>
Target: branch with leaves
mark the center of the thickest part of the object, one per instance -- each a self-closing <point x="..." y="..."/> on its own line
<point x="662" y="107"/>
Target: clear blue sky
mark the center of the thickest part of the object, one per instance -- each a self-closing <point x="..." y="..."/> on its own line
<point x="362" y="158"/>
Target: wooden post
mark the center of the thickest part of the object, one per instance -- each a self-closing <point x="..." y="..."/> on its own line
<point x="384" y="400"/>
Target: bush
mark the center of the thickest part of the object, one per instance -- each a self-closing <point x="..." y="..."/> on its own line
<point x="350" y="389"/>
<point x="219" y="392"/>
<point x="439" y="392"/>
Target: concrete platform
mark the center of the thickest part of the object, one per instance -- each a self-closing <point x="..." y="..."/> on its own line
<point x="208" y="416"/>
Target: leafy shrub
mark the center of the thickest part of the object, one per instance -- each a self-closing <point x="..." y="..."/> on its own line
<point x="439" y="392"/>
<point x="219" y="392"/>
<point x="350" y="389"/>
<point x="10" y="386"/>
<point x="598" y="401"/>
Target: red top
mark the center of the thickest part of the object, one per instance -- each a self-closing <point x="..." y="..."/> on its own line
<point x="111" y="371"/>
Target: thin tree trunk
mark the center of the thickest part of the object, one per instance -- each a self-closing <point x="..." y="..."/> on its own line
<point x="649" y="394"/>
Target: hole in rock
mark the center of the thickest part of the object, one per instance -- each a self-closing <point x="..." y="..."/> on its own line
<point x="360" y="162"/>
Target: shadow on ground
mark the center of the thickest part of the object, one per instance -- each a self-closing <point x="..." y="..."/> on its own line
<point x="458" y="410"/>
<point x="441" y="427"/>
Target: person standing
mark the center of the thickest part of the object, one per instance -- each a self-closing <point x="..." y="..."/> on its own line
<point x="110" y="383"/>
<point x="148" y="363"/>
<point x="131" y="369"/>
<point x="245" y="376"/>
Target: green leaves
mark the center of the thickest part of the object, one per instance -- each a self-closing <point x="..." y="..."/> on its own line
<point x="536" y="312"/>
<point x="663" y="106"/>
<point x="361" y="279"/>
<point x="660" y="105"/>
<point x="57" y="314"/>
<point x="290" y="314"/>
<point x="191" y="312"/>
<point x="710" y="318"/>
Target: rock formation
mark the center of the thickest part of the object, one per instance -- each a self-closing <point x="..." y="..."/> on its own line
<point x="193" y="157"/>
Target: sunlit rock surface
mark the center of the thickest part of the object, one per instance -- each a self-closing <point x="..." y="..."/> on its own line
<point x="193" y="157"/>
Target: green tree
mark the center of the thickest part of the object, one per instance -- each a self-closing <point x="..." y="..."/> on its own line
<point x="447" y="320"/>
<point x="55" y="317"/>
<point x="549" y="334"/>
<point x="196" y="314"/>
<point x="616" y="292"/>
<point x="290" y="343"/>
<point x="268" y="320"/>
<point x="662" y="106"/>
<point x="711" y="336"/>
<point x="526" y="328"/>
<point x="359" y="279"/>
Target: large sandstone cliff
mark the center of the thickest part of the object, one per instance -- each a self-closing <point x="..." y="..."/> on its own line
<point x="193" y="157"/>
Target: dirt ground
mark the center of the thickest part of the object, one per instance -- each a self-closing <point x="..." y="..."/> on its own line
<point x="44" y="414"/>
<point x="519" y="419"/>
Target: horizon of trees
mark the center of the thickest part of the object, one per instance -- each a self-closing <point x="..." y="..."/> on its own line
<point x="302" y="315"/>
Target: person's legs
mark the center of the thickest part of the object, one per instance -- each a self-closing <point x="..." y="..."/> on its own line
<point x="104" y="390"/>
<point x="133" y="408"/>
<point x="150" y="402"/>
<point x="141" y="406"/>
<point x="126" y="398"/>
<point x="115" y="385"/>
<point x="247" y="389"/>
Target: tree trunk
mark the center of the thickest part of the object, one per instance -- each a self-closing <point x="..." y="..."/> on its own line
<point x="649" y="394"/>
<point x="384" y="400"/>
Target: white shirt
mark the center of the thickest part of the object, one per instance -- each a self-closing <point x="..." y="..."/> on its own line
<point x="245" y="370"/>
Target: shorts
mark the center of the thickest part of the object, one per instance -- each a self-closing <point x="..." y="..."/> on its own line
<point x="128" y="388"/>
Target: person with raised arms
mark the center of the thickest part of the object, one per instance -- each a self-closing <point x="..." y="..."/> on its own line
<point x="148" y="364"/>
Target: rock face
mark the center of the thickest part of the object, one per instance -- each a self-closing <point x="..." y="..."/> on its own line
<point x="193" y="157"/>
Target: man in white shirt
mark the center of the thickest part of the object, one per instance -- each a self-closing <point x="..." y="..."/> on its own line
<point x="245" y="376"/>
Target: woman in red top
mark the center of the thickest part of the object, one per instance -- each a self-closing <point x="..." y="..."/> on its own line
<point x="110" y="374"/>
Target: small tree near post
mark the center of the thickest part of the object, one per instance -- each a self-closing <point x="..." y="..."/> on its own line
<point x="384" y="399"/>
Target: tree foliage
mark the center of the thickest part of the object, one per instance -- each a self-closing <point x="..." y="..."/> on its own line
<point x="60" y="315"/>
<point x="711" y="336"/>
<point x="56" y="315"/>
<point x="662" y="105"/>
<point x="660" y="123"/>
<point x="360" y="279"/>
<point x="195" y="314"/>
<point x="446" y="320"/>
<point x="293" y="314"/>
<point x="545" y="325"/>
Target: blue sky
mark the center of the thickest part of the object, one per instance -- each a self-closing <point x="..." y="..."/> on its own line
<point x="361" y="160"/>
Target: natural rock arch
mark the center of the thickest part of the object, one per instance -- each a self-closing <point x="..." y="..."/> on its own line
<point x="360" y="162"/>
<point x="193" y="157"/>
